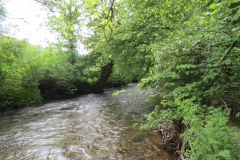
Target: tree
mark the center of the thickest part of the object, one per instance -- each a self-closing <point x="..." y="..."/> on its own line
<point x="120" y="39"/>
<point x="186" y="51"/>
<point x="189" y="51"/>
<point x="20" y="71"/>
<point x="65" y="20"/>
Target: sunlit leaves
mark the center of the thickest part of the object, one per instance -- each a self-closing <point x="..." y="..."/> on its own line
<point x="92" y="4"/>
<point x="67" y="23"/>
<point x="20" y="71"/>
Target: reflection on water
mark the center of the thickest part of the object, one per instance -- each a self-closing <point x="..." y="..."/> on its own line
<point x="90" y="127"/>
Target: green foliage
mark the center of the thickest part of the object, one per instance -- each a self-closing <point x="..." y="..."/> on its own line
<point x="189" y="51"/>
<point x="28" y="73"/>
<point x="125" y="45"/>
<point x="211" y="137"/>
<point x="197" y="66"/>
<point x="20" y="71"/>
<point x="153" y="120"/>
<point x="119" y="92"/>
<point x="62" y="77"/>
<point x="66" y="25"/>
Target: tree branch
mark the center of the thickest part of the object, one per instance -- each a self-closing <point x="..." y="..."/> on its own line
<point x="229" y="49"/>
<point x="45" y="4"/>
<point x="19" y="19"/>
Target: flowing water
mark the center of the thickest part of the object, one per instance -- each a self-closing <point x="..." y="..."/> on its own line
<point x="89" y="127"/>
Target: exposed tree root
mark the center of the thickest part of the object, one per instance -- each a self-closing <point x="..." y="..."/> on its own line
<point x="171" y="139"/>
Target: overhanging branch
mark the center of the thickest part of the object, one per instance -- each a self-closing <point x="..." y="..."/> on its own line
<point x="44" y="3"/>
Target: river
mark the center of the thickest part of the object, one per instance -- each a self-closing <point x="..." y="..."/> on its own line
<point x="88" y="127"/>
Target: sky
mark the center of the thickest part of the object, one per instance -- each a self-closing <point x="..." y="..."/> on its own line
<point x="24" y="22"/>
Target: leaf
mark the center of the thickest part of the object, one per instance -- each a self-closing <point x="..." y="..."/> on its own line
<point x="62" y="17"/>
<point x="134" y="125"/>
<point x="213" y="6"/>
<point x="227" y="61"/>
<point x="94" y="7"/>
<point x="71" y="28"/>
<point x="238" y="115"/>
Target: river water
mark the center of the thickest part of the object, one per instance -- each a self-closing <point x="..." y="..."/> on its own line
<point x="88" y="127"/>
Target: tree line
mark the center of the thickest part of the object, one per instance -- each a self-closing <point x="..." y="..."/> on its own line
<point x="188" y="52"/>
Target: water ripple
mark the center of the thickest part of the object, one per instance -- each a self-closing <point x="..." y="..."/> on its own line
<point x="89" y="127"/>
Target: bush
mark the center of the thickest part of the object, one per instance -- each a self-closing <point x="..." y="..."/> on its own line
<point x="19" y="98"/>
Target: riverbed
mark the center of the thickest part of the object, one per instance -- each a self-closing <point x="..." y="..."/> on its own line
<point x="88" y="127"/>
